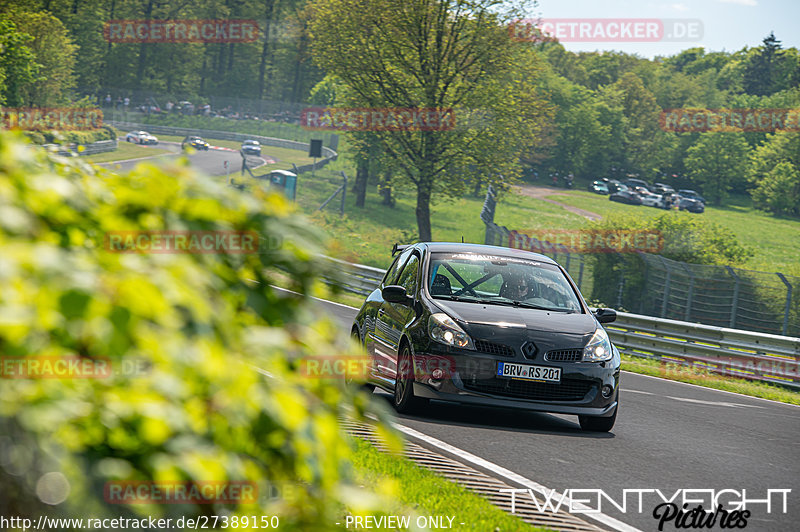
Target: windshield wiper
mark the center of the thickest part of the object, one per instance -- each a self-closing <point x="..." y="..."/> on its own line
<point x="457" y="298"/>
<point x="523" y="304"/>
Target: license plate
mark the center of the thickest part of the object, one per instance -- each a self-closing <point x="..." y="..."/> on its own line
<point x="509" y="370"/>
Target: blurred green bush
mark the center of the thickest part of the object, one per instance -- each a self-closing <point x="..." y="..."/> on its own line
<point x="200" y="324"/>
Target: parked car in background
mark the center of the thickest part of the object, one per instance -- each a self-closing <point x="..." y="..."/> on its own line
<point x="488" y="326"/>
<point x="691" y="194"/>
<point x="626" y="196"/>
<point x="141" y="137"/>
<point x="615" y="186"/>
<point x="598" y="187"/>
<point x="194" y="142"/>
<point x="638" y="189"/>
<point x="691" y="205"/>
<point x="633" y="183"/>
<point x="251" y="147"/>
<point x="653" y="200"/>
<point x="661" y="188"/>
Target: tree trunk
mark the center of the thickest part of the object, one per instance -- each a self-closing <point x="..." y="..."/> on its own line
<point x="262" y="66"/>
<point x="362" y="173"/>
<point x="148" y="14"/>
<point x="477" y="191"/>
<point x="424" y="211"/>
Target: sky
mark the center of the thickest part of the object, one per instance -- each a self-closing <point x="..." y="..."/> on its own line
<point x="727" y="25"/>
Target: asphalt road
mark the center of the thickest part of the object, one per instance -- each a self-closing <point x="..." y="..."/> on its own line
<point x="208" y="162"/>
<point x="668" y="436"/>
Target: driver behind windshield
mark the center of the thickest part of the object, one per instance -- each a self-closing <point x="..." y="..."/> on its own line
<point x="516" y="287"/>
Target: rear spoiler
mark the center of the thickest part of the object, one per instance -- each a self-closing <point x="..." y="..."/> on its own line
<point x="399" y="247"/>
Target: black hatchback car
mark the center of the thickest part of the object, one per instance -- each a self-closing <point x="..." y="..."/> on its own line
<point x="488" y="326"/>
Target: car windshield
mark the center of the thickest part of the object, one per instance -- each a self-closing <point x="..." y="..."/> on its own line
<point x="500" y="280"/>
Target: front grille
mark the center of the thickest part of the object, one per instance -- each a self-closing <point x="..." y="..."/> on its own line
<point x="567" y="390"/>
<point x="493" y="349"/>
<point x="564" y="355"/>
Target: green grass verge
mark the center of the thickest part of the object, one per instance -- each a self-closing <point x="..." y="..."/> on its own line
<point x="774" y="240"/>
<point x="125" y="151"/>
<point x="422" y="492"/>
<point x="676" y="372"/>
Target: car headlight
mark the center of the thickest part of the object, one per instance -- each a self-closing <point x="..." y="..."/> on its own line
<point x="443" y="329"/>
<point x="599" y="347"/>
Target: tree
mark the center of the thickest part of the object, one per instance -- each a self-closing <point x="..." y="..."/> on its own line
<point x="54" y="52"/>
<point x="430" y="54"/>
<point x="18" y="67"/>
<point x="715" y="162"/>
<point x="769" y="68"/>
<point x="774" y="170"/>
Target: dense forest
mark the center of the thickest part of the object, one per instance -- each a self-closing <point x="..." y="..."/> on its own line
<point x="588" y="114"/>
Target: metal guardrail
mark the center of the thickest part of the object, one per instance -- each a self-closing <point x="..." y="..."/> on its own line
<point x="353" y="278"/>
<point x="101" y="146"/>
<point x="328" y="154"/>
<point x="731" y="352"/>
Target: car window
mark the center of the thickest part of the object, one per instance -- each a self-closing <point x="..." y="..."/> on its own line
<point x="408" y="277"/>
<point x="391" y="273"/>
<point x="490" y="279"/>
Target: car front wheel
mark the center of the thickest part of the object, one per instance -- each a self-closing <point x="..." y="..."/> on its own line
<point x="599" y="424"/>
<point x="404" y="400"/>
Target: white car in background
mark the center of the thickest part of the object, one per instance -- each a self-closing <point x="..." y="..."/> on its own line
<point x="653" y="200"/>
<point x="141" y="137"/>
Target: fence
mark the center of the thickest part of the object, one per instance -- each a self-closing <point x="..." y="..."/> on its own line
<point x="656" y="286"/>
<point x="725" y="351"/>
<point x="328" y="154"/>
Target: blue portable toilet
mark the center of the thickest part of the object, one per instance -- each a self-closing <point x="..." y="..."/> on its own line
<point x="285" y="181"/>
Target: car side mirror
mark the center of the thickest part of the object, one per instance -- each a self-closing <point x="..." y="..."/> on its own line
<point x="605" y="315"/>
<point x="396" y="294"/>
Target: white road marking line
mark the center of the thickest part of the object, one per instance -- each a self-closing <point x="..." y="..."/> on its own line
<point x="514" y="477"/>
<point x="712" y="403"/>
<point x="709" y="389"/>
<point x="638" y="391"/>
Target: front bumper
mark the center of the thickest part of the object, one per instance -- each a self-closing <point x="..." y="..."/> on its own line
<point x="469" y="378"/>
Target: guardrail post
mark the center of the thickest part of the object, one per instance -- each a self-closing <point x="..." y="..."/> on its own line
<point x="788" y="302"/>
<point x="344" y="193"/>
<point x="735" y="302"/>
<point x="690" y="293"/>
<point x="666" y="287"/>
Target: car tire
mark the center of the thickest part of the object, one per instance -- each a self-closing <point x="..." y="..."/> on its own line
<point x="599" y="424"/>
<point x="405" y="401"/>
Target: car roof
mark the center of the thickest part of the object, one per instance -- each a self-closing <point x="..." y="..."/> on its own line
<point x="481" y="249"/>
